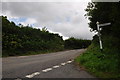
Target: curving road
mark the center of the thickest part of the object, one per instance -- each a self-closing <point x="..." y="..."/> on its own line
<point x="53" y="65"/>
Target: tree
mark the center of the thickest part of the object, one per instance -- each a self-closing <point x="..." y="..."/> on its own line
<point x="106" y="12"/>
<point x="19" y="39"/>
<point x="44" y="29"/>
<point x="73" y="43"/>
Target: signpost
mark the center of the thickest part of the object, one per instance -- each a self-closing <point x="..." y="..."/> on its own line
<point x="99" y="35"/>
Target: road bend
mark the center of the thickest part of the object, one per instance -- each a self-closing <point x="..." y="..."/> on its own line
<point x="53" y="65"/>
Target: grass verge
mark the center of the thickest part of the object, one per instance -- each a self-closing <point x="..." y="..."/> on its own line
<point x="100" y="64"/>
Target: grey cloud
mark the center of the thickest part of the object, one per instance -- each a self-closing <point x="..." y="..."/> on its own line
<point x="53" y="15"/>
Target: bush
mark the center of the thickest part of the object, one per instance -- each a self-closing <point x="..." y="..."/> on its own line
<point x="22" y="40"/>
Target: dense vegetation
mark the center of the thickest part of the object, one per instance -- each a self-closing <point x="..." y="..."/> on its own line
<point x="103" y="64"/>
<point x="21" y="40"/>
<point x="73" y="43"/>
<point x="25" y="40"/>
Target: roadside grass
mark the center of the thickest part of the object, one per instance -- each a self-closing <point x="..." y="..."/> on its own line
<point x="100" y="64"/>
<point x="28" y="53"/>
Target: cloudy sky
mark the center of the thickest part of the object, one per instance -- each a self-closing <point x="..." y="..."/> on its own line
<point x="65" y="18"/>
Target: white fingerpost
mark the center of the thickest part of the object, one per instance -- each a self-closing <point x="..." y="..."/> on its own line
<point x="99" y="35"/>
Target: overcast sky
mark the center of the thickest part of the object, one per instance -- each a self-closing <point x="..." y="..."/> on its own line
<point x="65" y="18"/>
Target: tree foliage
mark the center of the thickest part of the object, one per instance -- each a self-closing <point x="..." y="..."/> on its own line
<point x="105" y="12"/>
<point x="19" y="39"/>
<point x="103" y="64"/>
<point x="73" y="43"/>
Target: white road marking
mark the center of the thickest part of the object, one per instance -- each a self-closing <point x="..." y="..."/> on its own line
<point x="46" y="70"/>
<point x="32" y="75"/>
<point x="29" y="76"/>
<point x="70" y="61"/>
<point x="56" y="66"/>
<point x="36" y="73"/>
<point x="63" y="64"/>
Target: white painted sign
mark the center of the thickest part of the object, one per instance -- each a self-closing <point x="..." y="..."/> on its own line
<point x="99" y="35"/>
<point x="105" y="24"/>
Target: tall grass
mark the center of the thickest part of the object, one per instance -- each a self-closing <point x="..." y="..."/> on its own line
<point x="101" y="64"/>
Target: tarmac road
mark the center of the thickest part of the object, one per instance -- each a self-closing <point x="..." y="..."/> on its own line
<point x="53" y="65"/>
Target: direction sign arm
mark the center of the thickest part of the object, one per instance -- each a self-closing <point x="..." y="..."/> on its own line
<point x="106" y="24"/>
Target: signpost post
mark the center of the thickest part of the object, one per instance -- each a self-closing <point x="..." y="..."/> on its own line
<point x="99" y="35"/>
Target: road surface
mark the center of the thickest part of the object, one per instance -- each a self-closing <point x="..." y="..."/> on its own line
<point x="53" y="65"/>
